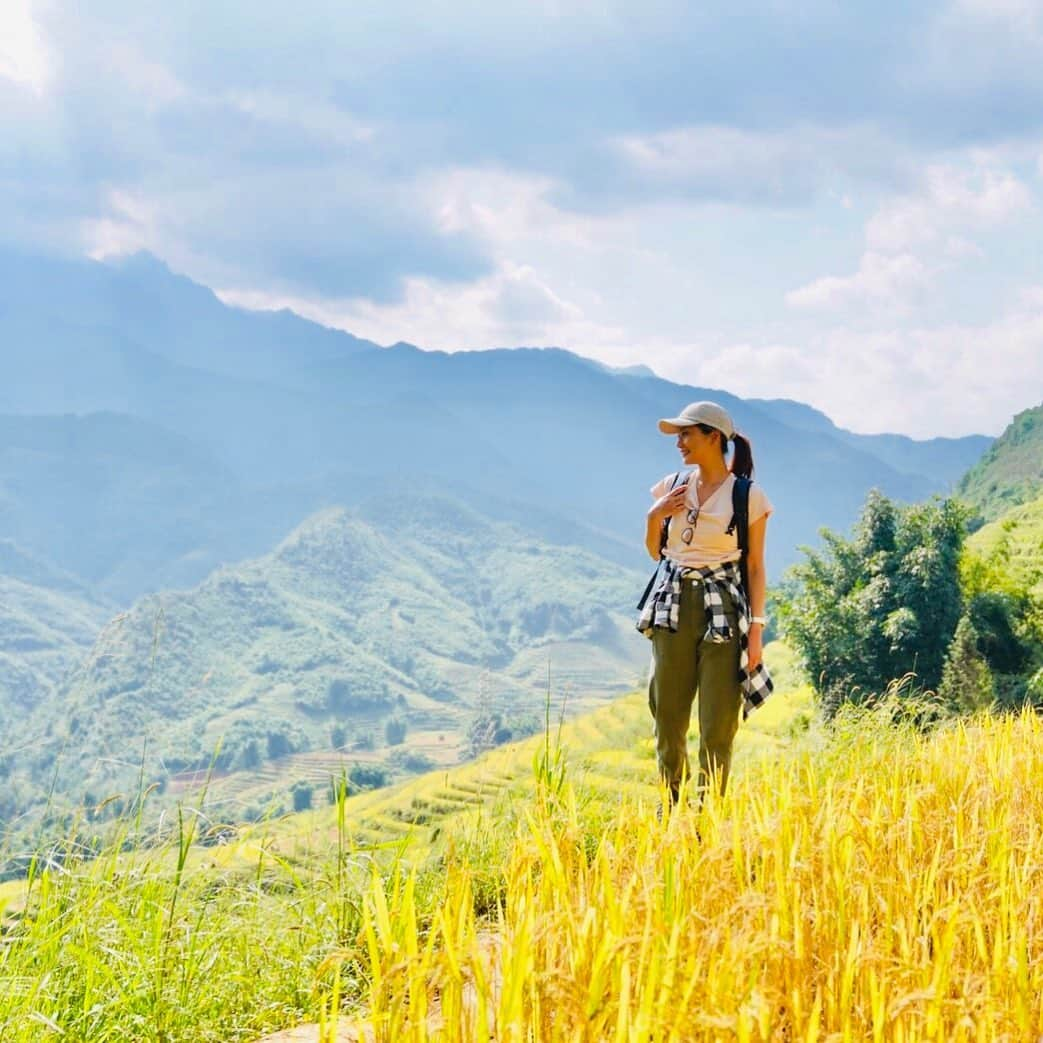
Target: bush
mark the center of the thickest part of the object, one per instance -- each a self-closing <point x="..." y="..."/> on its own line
<point x="359" y="695"/>
<point x="368" y="776"/>
<point x="996" y="616"/>
<point x="966" y="681"/>
<point x="302" y="793"/>
<point x="249" y="756"/>
<point x="279" y="745"/>
<point x="413" y="762"/>
<point x="395" y="731"/>
<point x="488" y="730"/>
<point x="1034" y="689"/>
<point x="866" y="611"/>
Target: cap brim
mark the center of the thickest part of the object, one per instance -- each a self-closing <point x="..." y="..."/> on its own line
<point x="672" y="426"/>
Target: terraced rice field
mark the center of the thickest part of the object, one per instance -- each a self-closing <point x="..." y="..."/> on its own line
<point x="609" y="752"/>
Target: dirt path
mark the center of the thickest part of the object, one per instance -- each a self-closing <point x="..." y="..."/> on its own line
<point x="347" y="1032"/>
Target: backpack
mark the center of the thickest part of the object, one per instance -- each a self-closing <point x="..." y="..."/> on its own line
<point x="740" y="521"/>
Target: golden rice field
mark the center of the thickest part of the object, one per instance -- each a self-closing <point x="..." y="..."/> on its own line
<point x="887" y="888"/>
<point x="871" y="883"/>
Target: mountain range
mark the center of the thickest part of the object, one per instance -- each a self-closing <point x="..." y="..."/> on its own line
<point x="149" y="433"/>
<point x="346" y="623"/>
<point x="445" y="526"/>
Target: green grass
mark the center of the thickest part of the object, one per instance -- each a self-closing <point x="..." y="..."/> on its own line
<point x="1015" y="543"/>
<point x="175" y="941"/>
<point x="1011" y="471"/>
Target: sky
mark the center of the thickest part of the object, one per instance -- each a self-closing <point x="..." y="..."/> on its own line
<point x="839" y="203"/>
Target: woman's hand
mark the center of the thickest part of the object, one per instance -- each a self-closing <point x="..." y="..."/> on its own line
<point x="755" y="646"/>
<point x="668" y="504"/>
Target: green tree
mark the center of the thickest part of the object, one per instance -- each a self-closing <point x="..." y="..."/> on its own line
<point x="488" y="729"/>
<point x="1034" y="689"/>
<point x="1003" y="591"/>
<point x="250" y="755"/>
<point x="302" y="795"/>
<point x="395" y="731"/>
<point x="369" y="776"/>
<point x="279" y="744"/>
<point x="864" y="611"/>
<point x="966" y="684"/>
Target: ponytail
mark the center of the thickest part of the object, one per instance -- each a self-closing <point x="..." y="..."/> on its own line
<point x="742" y="457"/>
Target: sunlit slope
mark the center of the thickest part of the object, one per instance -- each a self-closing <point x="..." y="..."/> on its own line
<point x="608" y="752"/>
<point x="1011" y="471"/>
<point x="1016" y="538"/>
<point x="343" y="629"/>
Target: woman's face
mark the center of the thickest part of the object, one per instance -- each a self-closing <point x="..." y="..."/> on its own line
<point x="695" y="444"/>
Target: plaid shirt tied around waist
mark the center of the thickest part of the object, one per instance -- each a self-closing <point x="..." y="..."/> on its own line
<point x="663" y="605"/>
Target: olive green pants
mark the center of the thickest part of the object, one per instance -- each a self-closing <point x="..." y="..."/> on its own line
<point x="684" y="666"/>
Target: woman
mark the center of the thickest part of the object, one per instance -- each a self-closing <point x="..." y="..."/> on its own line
<point x="707" y="631"/>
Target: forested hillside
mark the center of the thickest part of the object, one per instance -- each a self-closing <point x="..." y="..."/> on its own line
<point x="1011" y="470"/>
<point x="352" y="634"/>
<point x="910" y="596"/>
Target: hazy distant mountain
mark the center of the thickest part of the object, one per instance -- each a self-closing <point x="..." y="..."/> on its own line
<point x="123" y="503"/>
<point x="269" y="418"/>
<point x="79" y="305"/>
<point x="584" y="440"/>
<point x="16" y="563"/>
<point x="1011" y="471"/>
<point x="350" y="621"/>
<point x="938" y="462"/>
<point x="45" y="632"/>
<point x="152" y="438"/>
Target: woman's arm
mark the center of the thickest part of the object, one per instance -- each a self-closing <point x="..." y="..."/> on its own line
<point x="653" y="531"/>
<point x="757" y="592"/>
<point x="667" y="504"/>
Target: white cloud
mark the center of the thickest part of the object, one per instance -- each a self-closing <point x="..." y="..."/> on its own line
<point x="700" y="151"/>
<point x="303" y="113"/>
<point x="784" y="165"/>
<point x="152" y="83"/>
<point x="129" y="226"/>
<point x="1024" y="16"/>
<point x="914" y="238"/>
<point x="1031" y="298"/>
<point x="958" y="248"/>
<point x="502" y="208"/>
<point x="890" y="281"/>
<point x="950" y="380"/>
<point x="513" y="306"/>
<point x="951" y="198"/>
<point x="24" y="58"/>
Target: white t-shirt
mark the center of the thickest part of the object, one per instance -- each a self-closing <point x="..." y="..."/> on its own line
<point x="710" y="544"/>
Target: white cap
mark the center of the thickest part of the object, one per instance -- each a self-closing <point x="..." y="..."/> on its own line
<point x="708" y="413"/>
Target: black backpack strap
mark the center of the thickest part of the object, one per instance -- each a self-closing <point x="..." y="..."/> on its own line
<point x="680" y="478"/>
<point x="741" y="522"/>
